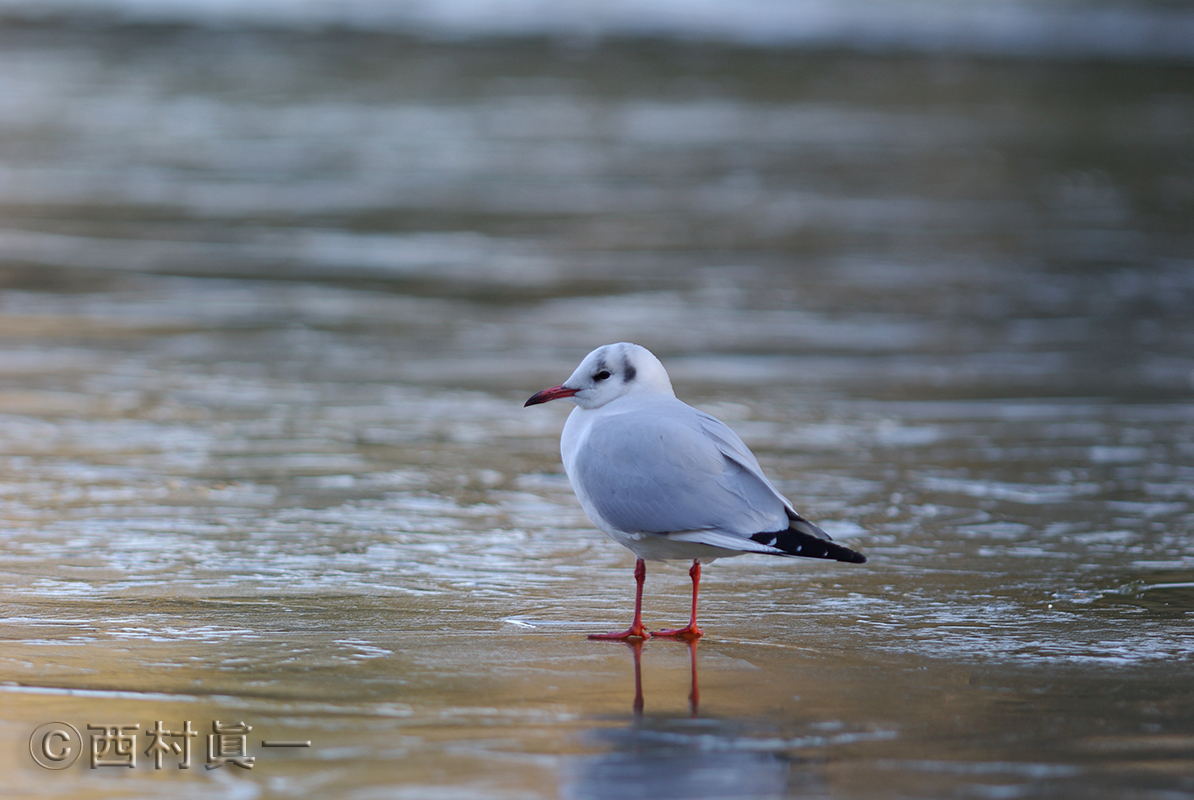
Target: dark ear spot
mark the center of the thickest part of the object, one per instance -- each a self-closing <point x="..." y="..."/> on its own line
<point x="628" y="371"/>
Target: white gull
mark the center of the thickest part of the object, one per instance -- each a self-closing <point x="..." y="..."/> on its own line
<point x="668" y="481"/>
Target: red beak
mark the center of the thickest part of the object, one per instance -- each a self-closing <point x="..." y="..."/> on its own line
<point x="554" y="393"/>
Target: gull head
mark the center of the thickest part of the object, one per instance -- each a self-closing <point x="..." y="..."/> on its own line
<point x="609" y="372"/>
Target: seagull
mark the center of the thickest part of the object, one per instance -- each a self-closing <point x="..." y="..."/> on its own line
<point x="668" y="481"/>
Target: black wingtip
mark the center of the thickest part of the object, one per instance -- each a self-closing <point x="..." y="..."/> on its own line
<point x="798" y="543"/>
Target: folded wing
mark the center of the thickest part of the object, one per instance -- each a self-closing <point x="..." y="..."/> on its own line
<point x="678" y="473"/>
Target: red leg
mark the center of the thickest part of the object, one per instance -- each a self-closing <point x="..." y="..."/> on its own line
<point x="691" y="631"/>
<point x="636" y="629"/>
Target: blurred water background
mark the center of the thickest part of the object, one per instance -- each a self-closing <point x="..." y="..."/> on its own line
<point x="275" y="279"/>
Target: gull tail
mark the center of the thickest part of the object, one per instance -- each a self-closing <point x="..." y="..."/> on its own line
<point x="802" y="538"/>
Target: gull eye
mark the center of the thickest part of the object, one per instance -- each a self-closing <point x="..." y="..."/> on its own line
<point x="602" y="375"/>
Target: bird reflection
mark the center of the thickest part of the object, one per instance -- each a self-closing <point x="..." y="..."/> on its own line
<point x="660" y="757"/>
<point x="694" y="693"/>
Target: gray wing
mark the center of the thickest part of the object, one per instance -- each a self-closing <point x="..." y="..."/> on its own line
<point x="675" y="470"/>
